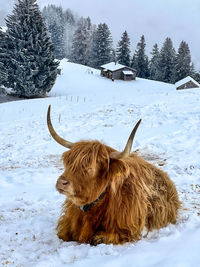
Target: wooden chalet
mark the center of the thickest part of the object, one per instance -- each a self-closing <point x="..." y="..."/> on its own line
<point x="187" y="83"/>
<point x="3" y="28"/>
<point x="116" y="71"/>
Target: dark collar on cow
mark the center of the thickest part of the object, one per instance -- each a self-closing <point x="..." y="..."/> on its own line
<point x="88" y="206"/>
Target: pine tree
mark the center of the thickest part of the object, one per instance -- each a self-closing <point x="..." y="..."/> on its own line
<point x="196" y="76"/>
<point x="69" y="17"/>
<point x="113" y="57"/>
<point x="123" y="50"/>
<point x="101" y="51"/>
<point x="192" y="70"/>
<point x="93" y="50"/>
<point x="32" y="69"/>
<point x="61" y="26"/>
<point x="54" y="18"/>
<point x="4" y="58"/>
<point x="140" y="60"/>
<point x="166" y="61"/>
<point x="154" y="63"/>
<point x="81" y="42"/>
<point x="183" y="66"/>
<point x="70" y="25"/>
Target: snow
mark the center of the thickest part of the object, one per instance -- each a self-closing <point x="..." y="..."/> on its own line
<point x="185" y="80"/>
<point x="127" y="72"/>
<point x="113" y="66"/>
<point x="88" y="106"/>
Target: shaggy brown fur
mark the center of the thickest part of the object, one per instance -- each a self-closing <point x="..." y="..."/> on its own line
<point x="137" y="195"/>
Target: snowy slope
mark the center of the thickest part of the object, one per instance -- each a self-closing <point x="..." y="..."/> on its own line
<point x="87" y="106"/>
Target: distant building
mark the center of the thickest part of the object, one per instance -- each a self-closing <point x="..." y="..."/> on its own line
<point x="3" y="28"/>
<point x="118" y="71"/>
<point x="187" y="83"/>
<point x="59" y="71"/>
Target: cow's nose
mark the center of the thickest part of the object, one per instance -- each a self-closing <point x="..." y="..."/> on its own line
<point x="62" y="184"/>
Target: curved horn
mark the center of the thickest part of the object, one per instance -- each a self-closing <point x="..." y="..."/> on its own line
<point x="127" y="149"/>
<point x="53" y="133"/>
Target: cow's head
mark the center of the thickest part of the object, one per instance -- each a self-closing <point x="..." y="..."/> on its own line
<point x="88" y="166"/>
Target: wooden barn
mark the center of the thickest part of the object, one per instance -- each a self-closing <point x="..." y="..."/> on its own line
<point x="116" y="71"/>
<point x="3" y="28"/>
<point x="187" y="83"/>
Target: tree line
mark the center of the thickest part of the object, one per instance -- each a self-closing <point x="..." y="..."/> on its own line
<point x="92" y="45"/>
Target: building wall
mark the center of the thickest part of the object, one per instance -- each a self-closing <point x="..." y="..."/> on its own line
<point x="118" y="74"/>
<point x="106" y="73"/>
<point x="187" y="85"/>
<point x="128" y="77"/>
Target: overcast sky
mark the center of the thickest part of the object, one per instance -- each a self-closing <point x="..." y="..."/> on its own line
<point x="156" y="19"/>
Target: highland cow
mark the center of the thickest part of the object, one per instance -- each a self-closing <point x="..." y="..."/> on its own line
<point x="111" y="196"/>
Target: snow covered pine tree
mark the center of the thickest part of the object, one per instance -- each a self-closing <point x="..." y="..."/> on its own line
<point x="61" y="25"/>
<point x="183" y="65"/>
<point x="54" y="19"/>
<point x="123" y="50"/>
<point x="166" y="61"/>
<point x="101" y="46"/>
<point x="32" y="67"/>
<point x="3" y="58"/>
<point x="81" y="42"/>
<point x="140" y="60"/>
<point x="154" y="63"/>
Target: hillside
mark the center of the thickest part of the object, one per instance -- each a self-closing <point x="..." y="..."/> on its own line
<point x="87" y="106"/>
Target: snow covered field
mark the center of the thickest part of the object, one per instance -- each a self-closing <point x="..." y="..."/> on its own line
<point x="87" y="106"/>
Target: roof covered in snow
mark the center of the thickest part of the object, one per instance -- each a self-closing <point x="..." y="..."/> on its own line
<point x="186" y="80"/>
<point x="127" y="72"/>
<point x="114" y="66"/>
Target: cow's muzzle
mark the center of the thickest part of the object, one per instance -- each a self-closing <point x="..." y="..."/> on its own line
<point x="62" y="185"/>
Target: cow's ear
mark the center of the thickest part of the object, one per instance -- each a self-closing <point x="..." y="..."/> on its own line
<point x="118" y="172"/>
<point x="119" y="169"/>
